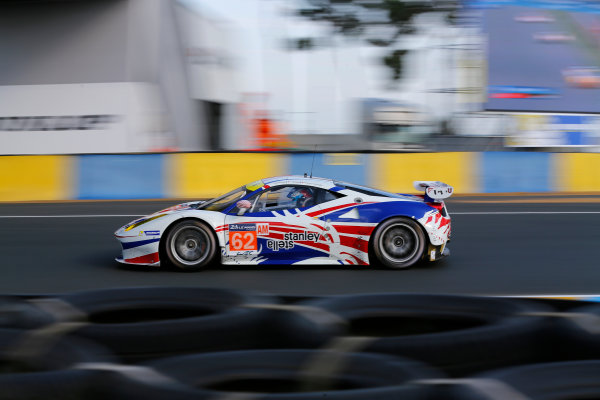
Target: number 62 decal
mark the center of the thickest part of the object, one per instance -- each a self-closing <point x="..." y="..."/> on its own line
<point x="243" y="236"/>
<point x="242" y="241"/>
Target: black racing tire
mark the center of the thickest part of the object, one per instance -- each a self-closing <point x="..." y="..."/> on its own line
<point x="23" y="351"/>
<point x="298" y="374"/>
<point x="460" y="335"/>
<point x="19" y="313"/>
<point x="547" y="381"/>
<point x="145" y="323"/>
<point x="398" y="243"/>
<point x="51" y="385"/>
<point x="575" y="333"/>
<point x="189" y="245"/>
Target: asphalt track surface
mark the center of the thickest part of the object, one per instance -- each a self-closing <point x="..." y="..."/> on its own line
<point x="519" y="245"/>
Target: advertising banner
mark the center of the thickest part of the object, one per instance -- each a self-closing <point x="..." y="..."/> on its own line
<point x="81" y="118"/>
<point x="551" y="130"/>
<point x="542" y="56"/>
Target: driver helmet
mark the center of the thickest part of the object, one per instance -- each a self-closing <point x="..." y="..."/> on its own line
<point x="301" y="196"/>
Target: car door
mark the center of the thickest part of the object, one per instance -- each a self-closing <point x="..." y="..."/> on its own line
<point x="347" y="230"/>
<point x="275" y="226"/>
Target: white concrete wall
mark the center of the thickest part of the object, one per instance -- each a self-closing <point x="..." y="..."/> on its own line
<point x="81" y="118"/>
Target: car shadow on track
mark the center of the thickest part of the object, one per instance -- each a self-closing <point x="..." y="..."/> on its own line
<point x="137" y="268"/>
<point x="276" y="267"/>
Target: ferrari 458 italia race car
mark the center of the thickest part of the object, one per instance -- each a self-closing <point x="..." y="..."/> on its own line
<point x="295" y="220"/>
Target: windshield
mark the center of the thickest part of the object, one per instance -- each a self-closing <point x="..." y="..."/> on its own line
<point x="222" y="202"/>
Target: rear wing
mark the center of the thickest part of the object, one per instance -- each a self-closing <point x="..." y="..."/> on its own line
<point x="434" y="191"/>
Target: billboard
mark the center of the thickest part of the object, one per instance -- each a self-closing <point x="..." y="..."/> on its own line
<point x="542" y="56"/>
<point x="553" y="130"/>
<point x="82" y="118"/>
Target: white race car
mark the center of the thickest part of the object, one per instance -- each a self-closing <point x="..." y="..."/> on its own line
<point x="295" y="220"/>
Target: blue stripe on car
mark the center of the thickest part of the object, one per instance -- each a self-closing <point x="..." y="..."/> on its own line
<point x="377" y="212"/>
<point x="130" y="245"/>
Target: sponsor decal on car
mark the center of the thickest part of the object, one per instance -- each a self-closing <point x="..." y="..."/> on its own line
<point x="291" y="237"/>
<point x="150" y="233"/>
<point x="255" y="185"/>
<point x="243" y="237"/>
<point x="277" y="245"/>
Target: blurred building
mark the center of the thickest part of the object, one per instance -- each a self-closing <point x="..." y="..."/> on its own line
<point x="105" y="76"/>
<point x="100" y="76"/>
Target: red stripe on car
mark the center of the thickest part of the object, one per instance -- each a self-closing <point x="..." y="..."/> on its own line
<point x="354" y="230"/>
<point x="147" y="259"/>
<point x="358" y="260"/>
<point x="355" y="243"/>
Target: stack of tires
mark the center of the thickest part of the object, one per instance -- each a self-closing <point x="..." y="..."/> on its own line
<point x="201" y="343"/>
<point x="77" y="345"/>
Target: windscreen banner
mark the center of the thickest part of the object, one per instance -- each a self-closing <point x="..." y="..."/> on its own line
<point x="542" y="56"/>
<point x="551" y="130"/>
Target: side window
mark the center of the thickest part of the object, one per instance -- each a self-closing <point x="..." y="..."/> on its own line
<point x="328" y="195"/>
<point x="284" y="198"/>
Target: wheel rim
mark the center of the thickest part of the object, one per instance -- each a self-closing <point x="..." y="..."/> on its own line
<point x="190" y="245"/>
<point x="399" y="243"/>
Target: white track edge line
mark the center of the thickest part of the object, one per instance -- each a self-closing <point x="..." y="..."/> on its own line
<point x="451" y="214"/>
<point x="520" y="212"/>
<point x="539" y="296"/>
<point x="72" y="216"/>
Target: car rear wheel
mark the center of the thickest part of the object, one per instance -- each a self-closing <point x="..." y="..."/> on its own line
<point x="398" y="243"/>
<point x="190" y="245"/>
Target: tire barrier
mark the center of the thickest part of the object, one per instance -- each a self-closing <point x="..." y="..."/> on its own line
<point x="131" y="382"/>
<point x="551" y="381"/>
<point x="217" y="344"/>
<point x="34" y="365"/>
<point x="458" y="334"/>
<point x="144" y="323"/>
<point x="50" y="385"/>
<point x="298" y="374"/>
<point x="575" y="334"/>
<point x="36" y="350"/>
<point x="23" y="314"/>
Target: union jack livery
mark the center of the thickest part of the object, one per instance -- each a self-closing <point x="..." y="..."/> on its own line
<point x="295" y="220"/>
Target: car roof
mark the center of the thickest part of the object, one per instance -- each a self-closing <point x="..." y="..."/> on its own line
<point x="299" y="180"/>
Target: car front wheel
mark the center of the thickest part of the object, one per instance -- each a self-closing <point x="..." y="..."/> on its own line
<point x="398" y="243"/>
<point x="190" y="245"/>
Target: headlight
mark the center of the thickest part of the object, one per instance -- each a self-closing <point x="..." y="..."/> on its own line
<point x="140" y="222"/>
